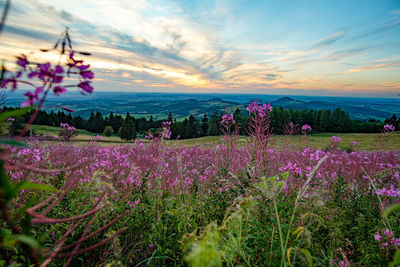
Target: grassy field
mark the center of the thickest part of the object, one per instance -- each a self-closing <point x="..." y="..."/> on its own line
<point x="365" y="141"/>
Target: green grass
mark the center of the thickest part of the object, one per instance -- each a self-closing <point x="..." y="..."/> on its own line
<point x="365" y="141"/>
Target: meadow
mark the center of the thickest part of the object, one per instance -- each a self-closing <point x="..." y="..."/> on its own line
<point x="217" y="201"/>
<point x="365" y="141"/>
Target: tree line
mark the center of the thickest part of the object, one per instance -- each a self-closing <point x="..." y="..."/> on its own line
<point x="127" y="126"/>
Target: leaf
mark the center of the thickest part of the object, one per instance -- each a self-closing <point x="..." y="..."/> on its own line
<point x="14" y="113"/>
<point x="285" y="175"/>
<point x="396" y="259"/>
<point x="5" y="232"/>
<point x="12" y="143"/>
<point x="6" y="189"/>
<point x="26" y="240"/>
<point x="390" y="210"/>
<point x="298" y="232"/>
<point x="29" y="185"/>
<point x="308" y="256"/>
<point x="180" y="226"/>
<point x="288" y="252"/>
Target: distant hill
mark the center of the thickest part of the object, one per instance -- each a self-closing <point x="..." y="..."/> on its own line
<point x="181" y="105"/>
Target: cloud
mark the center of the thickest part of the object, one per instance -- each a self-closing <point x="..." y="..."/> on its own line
<point x="393" y="65"/>
<point x="381" y="30"/>
<point x="174" y="45"/>
<point x="329" y="40"/>
<point x="34" y="34"/>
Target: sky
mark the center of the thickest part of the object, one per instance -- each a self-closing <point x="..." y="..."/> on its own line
<point x="332" y="48"/>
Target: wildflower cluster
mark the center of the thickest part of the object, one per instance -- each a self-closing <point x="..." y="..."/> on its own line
<point x="258" y="109"/>
<point x="50" y="75"/>
<point x="305" y="129"/>
<point x="227" y="119"/>
<point x="386" y="239"/>
<point x="164" y="134"/>
<point x="389" y="192"/>
<point x="67" y="132"/>
<point x="388" y="128"/>
<point x="335" y="139"/>
<point x="166" y="130"/>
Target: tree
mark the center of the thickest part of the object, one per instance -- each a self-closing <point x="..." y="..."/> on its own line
<point x="213" y="126"/>
<point x="127" y="131"/>
<point x="170" y="118"/>
<point x="99" y="123"/>
<point x="108" y="131"/>
<point x="191" y="127"/>
<point x="115" y="121"/>
<point x="204" y="125"/>
<point x="91" y="123"/>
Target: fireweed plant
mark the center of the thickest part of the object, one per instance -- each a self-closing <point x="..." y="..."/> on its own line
<point x="29" y="222"/>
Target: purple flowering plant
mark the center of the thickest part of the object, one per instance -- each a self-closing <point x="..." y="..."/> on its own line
<point x="44" y="78"/>
<point x="48" y="77"/>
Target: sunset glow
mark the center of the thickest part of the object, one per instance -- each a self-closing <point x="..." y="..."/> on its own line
<point x="271" y="47"/>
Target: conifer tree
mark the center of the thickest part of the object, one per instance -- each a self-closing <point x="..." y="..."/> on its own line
<point x="127" y="131"/>
<point x="204" y="125"/>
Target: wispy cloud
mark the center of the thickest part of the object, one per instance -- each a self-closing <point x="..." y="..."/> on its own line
<point x="329" y="40"/>
<point x="209" y="45"/>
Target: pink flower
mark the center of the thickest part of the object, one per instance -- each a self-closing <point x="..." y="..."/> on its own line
<point x="87" y="75"/>
<point x="260" y="110"/>
<point x="306" y="127"/>
<point x="378" y="237"/>
<point x="59" y="90"/>
<point x="32" y="97"/>
<point x="227" y="119"/>
<point x="335" y="139"/>
<point x="389" y="128"/>
<point x="85" y="86"/>
<point x="22" y="61"/>
<point x="388" y="233"/>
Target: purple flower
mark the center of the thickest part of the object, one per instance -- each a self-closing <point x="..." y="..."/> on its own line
<point x="378" y="237"/>
<point x="388" y="233"/>
<point x="335" y="139"/>
<point x="306" y="127"/>
<point x="87" y="75"/>
<point x="85" y="86"/>
<point x="384" y="245"/>
<point x="227" y="119"/>
<point x="354" y="143"/>
<point x="11" y="119"/>
<point x="83" y="67"/>
<point x="13" y="81"/>
<point x="59" y="90"/>
<point x="58" y="69"/>
<point x="44" y="68"/>
<point x="43" y="71"/>
<point x="260" y="110"/>
<point x="396" y="242"/>
<point x="22" y="61"/>
<point x="32" y="97"/>
<point x="389" y="128"/>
